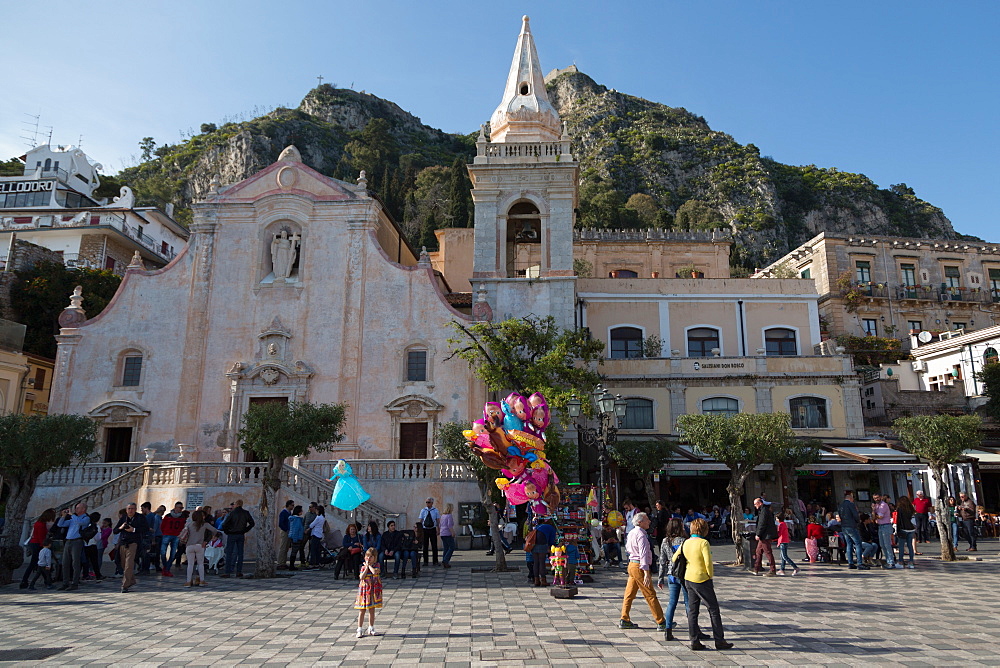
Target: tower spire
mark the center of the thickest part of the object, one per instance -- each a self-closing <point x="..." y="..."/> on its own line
<point x="525" y="113"/>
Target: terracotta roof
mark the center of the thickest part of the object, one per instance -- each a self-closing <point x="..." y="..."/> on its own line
<point x="459" y="298"/>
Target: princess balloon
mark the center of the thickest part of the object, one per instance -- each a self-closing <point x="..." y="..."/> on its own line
<point x="348" y="494"/>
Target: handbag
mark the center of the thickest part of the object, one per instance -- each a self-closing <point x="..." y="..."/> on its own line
<point x="530" y="540"/>
<point x="833" y="541"/>
<point x="678" y="565"/>
<point x="355" y="550"/>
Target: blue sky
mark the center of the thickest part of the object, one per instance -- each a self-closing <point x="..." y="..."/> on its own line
<point x="903" y="92"/>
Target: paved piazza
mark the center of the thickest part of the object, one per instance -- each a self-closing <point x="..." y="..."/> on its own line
<point x="939" y="614"/>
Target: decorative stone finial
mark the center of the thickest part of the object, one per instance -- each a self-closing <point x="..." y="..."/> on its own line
<point x="481" y="309"/>
<point x="524" y="24"/>
<point x="425" y="258"/>
<point x="213" y="185"/>
<point x="136" y="262"/>
<point x="73" y="314"/>
<point x="362" y="181"/>
<point x="290" y="154"/>
<point x="482" y="134"/>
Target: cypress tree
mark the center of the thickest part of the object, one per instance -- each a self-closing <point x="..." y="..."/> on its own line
<point x="427" y="237"/>
<point x="459" y="195"/>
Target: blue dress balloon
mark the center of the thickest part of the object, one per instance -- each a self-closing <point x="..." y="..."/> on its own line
<point x="348" y="493"/>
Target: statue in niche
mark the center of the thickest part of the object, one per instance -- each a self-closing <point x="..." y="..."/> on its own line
<point x="272" y="349"/>
<point x="283" y="248"/>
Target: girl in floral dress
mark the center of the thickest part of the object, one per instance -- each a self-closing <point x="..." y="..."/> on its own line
<point x="369" y="591"/>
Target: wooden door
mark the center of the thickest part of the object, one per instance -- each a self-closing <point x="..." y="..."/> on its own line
<point x="413" y="440"/>
<point x="118" y="444"/>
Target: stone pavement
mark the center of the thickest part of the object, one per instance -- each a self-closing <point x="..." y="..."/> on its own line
<point x="939" y="614"/>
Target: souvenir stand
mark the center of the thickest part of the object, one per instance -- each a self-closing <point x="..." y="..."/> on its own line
<point x="574" y="515"/>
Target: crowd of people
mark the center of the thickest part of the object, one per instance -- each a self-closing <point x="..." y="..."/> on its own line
<point x="73" y="546"/>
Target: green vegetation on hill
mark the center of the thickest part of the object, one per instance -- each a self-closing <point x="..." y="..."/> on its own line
<point x="643" y="164"/>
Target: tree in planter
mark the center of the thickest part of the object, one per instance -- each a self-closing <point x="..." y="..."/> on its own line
<point x="455" y="446"/>
<point x="742" y="442"/>
<point x="30" y="445"/>
<point x="276" y="431"/>
<point x="795" y="454"/>
<point x="941" y="440"/>
<point x="642" y="459"/>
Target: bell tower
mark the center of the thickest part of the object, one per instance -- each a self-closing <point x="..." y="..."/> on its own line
<point x="524" y="180"/>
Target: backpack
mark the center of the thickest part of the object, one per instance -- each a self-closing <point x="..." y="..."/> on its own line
<point x="678" y="565"/>
<point x="88" y="532"/>
<point x="530" y="540"/>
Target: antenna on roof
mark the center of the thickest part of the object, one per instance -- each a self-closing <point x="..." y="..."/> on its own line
<point x="30" y="130"/>
<point x="79" y="142"/>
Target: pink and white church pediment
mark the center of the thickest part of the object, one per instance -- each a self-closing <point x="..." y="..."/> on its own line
<point x="288" y="176"/>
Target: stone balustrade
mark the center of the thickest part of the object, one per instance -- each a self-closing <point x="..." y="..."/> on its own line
<point x="87" y="474"/>
<point x="517" y="151"/>
<point x="397" y="469"/>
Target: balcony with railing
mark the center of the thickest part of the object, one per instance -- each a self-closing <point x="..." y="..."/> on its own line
<point x="89" y="218"/>
<point x="501" y="152"/>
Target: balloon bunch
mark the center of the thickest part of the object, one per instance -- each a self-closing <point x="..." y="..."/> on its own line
<point x="511" y="439"/>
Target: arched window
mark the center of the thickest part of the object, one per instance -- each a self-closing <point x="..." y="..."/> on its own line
<point x="638" y="414"/>
<point x="624" y="273"/>
<point x="416" y="365"/>
<point x="701" y="340"/>
<point x="131" y="369"/>
<point x="720" y="406"/>
<point x="780" y="341"/>
<point x="626" y="343"/>
<point x="990" y="356"/>
<point x="808" y="413"/>
<point x="524" y="239"/>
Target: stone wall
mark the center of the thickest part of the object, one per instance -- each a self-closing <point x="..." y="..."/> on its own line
<point x="24" y="255"/>
<point x="96" y="247"/>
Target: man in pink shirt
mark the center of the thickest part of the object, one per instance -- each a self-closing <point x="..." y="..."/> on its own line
<point x="883" y="518"/>
<point x="640" y="559"/>
<point x="921" y="513"/>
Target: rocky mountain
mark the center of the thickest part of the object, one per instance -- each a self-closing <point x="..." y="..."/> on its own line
<point x="642" y="164"/>
<point x="689" y="176"/>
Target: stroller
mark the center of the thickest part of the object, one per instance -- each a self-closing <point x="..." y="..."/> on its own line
<point x="326" y="558"/>
<point x="215" y="555"/>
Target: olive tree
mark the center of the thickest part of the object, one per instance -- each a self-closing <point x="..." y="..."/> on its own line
<point x="30" y="445"/>
<point x="742" y="442"/>
<point x="941" y="440"/>
<point x="276" y="431"/>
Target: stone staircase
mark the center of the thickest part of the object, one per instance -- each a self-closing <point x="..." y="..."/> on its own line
<point x="302" y="485"/>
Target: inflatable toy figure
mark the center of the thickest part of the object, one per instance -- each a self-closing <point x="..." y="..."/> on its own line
<point x="536" y="399"/>
<point x="493" y="415"/>
<point x="558" y="561"/>
<point x="348" y="494"/>
<point x="482" y="445"/>
<point x="515" y="410"/>
<point x="539" y="421"/>
<point x="615" y="519"/>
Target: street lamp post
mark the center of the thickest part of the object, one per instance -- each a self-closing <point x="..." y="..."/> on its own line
<point x="610" y="412"/>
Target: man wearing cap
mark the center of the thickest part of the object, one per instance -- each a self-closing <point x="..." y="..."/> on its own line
<point x="767" y="531"/>
<point x="429" y="517"/>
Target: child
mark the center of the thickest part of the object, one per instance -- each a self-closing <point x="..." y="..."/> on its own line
<point x="369" y="591"/>
<point x="572" y="559"/>
<point x="44" y="565"/>
<point x="783" y="541"/>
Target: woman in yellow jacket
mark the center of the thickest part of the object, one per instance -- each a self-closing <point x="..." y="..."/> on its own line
<point x="698" y="580"/>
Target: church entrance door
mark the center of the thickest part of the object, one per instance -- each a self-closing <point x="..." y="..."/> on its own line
<point x="413" y="440"/>
<point x="118" y="444"/>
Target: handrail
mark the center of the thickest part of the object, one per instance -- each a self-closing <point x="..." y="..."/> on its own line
<point x="398" y="469"/>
